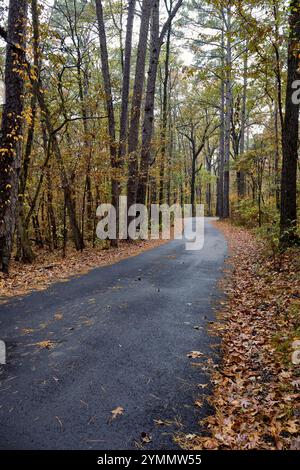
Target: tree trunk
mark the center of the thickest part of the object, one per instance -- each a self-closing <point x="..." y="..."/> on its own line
<point x="193" y="180"/>
<point x="228" y="99"/>
<point x="25" y="252"/>
<point x="109" y="109"/>
<point x="11" y="127"/>
<point x="241" y="187"/>
<point x="220" y="181"/>
<point x="164" y="116"/>
<point x="51" y="214"/>
<point x="134" y="128"/>
<point x="126" y="82"/>
<point x="276" y="158"/>
<point x="149" y="105"/>
<point x="278" y="112"/>
<point x="290" y="134"/>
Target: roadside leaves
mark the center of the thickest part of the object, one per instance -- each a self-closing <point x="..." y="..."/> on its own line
<point x="256" y="386"/>
<point x="194" y="354"/>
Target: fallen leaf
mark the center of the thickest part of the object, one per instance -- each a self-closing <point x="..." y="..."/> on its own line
<point x="295" y="443"/>
<point x="27" y="331"/>
<point x="198" y="404"/>
<point x="47" y="344"/>
<point x="119" y="411"/>
<point x="296" y="357"/>
<point x="202" y="385"/>
<point x="146" y="438"/>
<point x="210" y="444"/>
<point x="296" y="344"/>
<point x="159" y="422"/>
<point x="194" y="354"/>
<point x="292" y="426"/>
<point x="190" y="436"/>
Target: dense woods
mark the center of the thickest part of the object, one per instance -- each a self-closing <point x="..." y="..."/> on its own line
<point x="163" y="101"/>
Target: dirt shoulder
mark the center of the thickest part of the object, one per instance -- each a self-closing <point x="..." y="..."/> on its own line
<point x="49" y="268"/>
<point x="256" y="386"/>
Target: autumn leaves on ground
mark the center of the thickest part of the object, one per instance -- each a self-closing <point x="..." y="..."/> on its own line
<point x="256" y="385"/>
<point x="50" y="267"/>
<point x="165" y="102"/>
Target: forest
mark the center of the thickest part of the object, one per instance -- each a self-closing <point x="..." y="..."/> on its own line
<point x="166" y="102"/>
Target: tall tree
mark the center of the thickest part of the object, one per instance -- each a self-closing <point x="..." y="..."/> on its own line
<point x="149" y="105"/>
<point x="109" y="108"/>
<point x="126" y="81"/>
<point x="220" y="180"/>
<point x="241" y="182"/>
<point x="134" y="128"/>
<point x="164" y="121"/>
<point x="227" y="15"/>
<point x="290" y="133"/>
<point x="11" y="127"/>
<point x="157" y="39"/>
<point x="52" y="132"/>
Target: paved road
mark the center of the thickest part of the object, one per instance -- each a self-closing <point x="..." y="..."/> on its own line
<point x="121" y="336"/>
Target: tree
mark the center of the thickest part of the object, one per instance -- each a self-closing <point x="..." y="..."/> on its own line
<point x="133" y="135"/>
<point x="157" y="39"/>
<point x="109" y="108"/>
<point x="52" y="134"/>
<point x="290" y="134"/>
<point x="12" y="126"/>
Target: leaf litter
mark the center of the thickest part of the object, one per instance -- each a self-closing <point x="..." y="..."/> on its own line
<point x="50" y="267"/>
<point x="256" y="386"/>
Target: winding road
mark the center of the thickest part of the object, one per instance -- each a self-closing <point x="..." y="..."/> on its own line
<point x="119" y="336"/>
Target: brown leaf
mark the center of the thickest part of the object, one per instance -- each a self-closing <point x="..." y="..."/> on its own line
<point x="198" y="404"/>
<point x="119" y="411"/>
<point x="292" y="426"/>
<point x="210" y="444"/>
<point x="194" y="354"/>
<point x="47" y="344"/>
<point x="159" y="422"/>
<point x="202" y="385"/>
<point x="190" y="436"/>
<point x="295" y="443"/>
<point x="146" y="438"/>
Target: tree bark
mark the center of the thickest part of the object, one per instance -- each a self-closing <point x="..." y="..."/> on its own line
<point x="290" y="134"/>
<point x="11" y="127"/>
<point x="109" y="109"/>
<point x="126" y="82"/>
<point x="164" y="117"/>
<point x="25" y="252"/>
<point x="241" y="177"/>
<point x="149" y="105"/>
<point x="134" y="128"/>
<point x="228" y="106"/>
<point x="220" y="180"/>
<point x="148" y="124"/>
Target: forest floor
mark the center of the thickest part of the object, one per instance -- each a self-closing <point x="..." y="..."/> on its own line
<point x="256" y="386"/>
<point x="50" y="267"/>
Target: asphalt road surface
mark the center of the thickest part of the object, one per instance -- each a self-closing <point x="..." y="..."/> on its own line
<point x="120" y="337"/>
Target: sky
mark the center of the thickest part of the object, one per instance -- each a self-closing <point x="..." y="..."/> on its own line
<point x="186" y="56"/>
